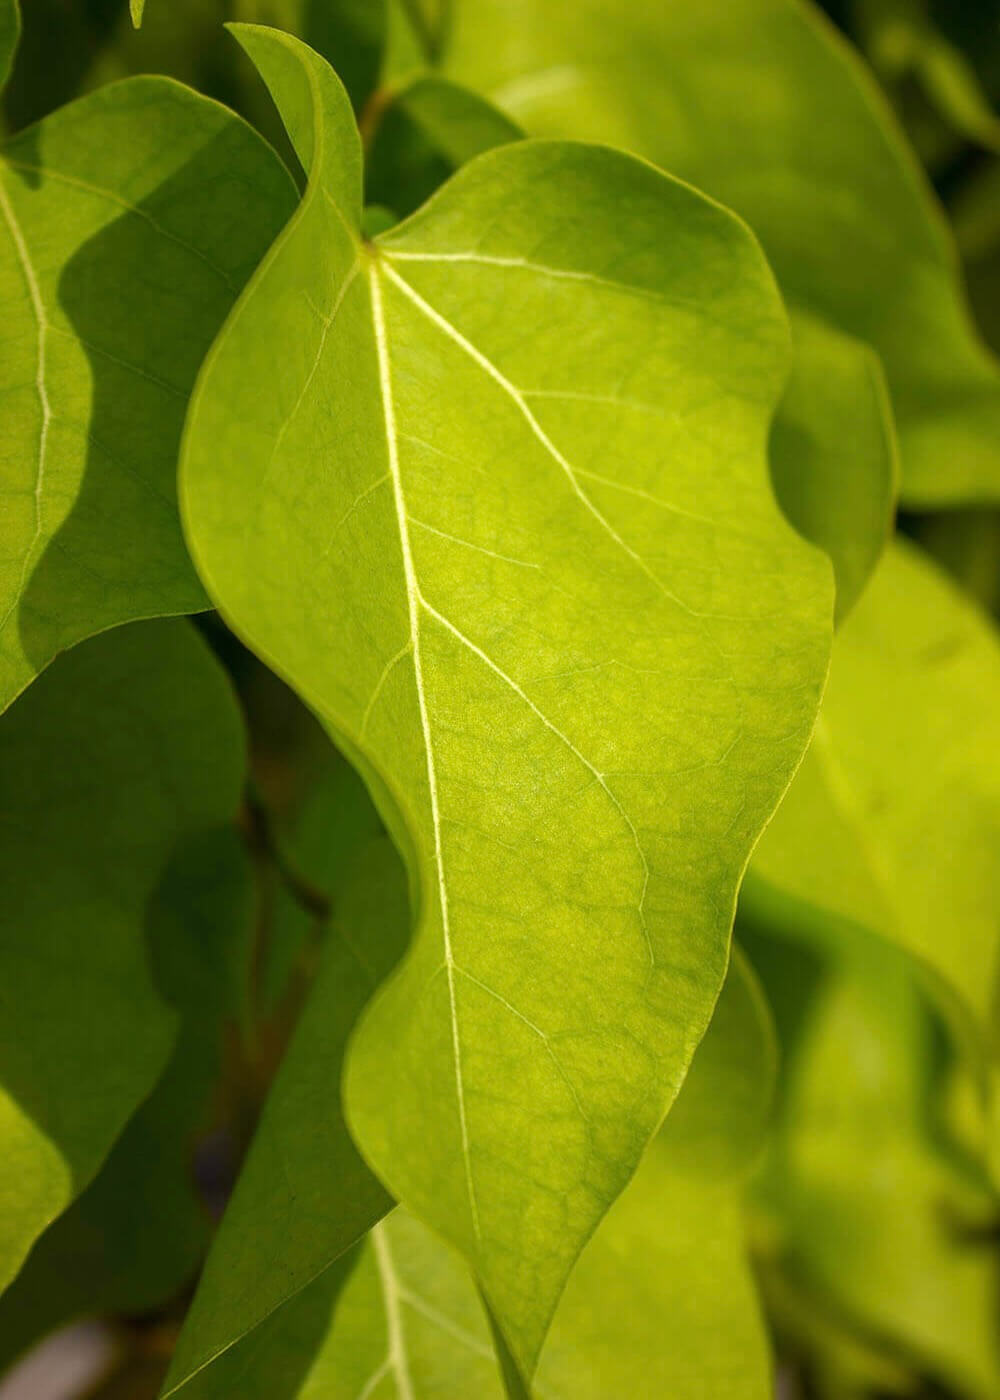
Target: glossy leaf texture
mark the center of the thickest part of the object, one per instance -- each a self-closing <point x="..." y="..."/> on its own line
<point x="538" y="587"/>
<point x="304" y="1196"/>
<point x="762" y="105"/>
<point x="893" y="820"/>
<point x="872" y="1214"/>
<point x="139" y="1231"/>
<point x="661" y="1301"/>
<point x="128" y="746"/>
<point x="129" y="221"/>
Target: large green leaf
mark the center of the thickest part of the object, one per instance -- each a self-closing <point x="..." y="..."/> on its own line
<point x="833" y="453"/>
<point x="893" y="820"/>
<point x="304" y="1196"/>
<point x="760" y="104"/>
<point x="660" y="1303"/>
<point x="501" y="515"/>
<point x="128" y="222"/>
<point x="129" y="745"/>
<point x="867" y="1212"/>
<point x="137" y="1233"/>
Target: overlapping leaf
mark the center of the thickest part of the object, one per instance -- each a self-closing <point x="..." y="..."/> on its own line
<point x="129" y="745"/>
<point x="833" y="453"/>
<point x="661" y="1301"/>
<point x="758" y="103"/>
<point x="501" y="515"/>
<point x="138" y="1232"/>
<point x="304" y="1196"/>
<point x="129" y="220"/>
<point x="893" y="820"/>
<point x="869" y="1214"/>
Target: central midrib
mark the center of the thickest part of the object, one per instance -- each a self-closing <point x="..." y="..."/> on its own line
<point x="413" y="605"/>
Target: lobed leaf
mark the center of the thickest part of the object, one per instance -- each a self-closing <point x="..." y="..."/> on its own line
<point x="130" y="745"/>
<point x="537" y="586"/>
<point x="129" y="220"/>
<point x="760" y="103"/>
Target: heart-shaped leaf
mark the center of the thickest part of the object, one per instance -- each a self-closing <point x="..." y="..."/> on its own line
<point x="538" y="587"/>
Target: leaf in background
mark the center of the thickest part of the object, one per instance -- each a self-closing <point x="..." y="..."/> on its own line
<point x="869" y="1212"/>
<point x="128" y="223"/>
<point x="334" y="823"/>
<point x="427" y="130"/>
<point x="833" y="453"/>
<point x="136" y="8"/>
<point x="893" y="820"/>
<point x="128" y="746"/>
<point x="759" y="103"/>
<point x="904" y="42"/>
<point x="660" y="1303"/>
<point x="304" y="1196"/>
<point x="138" y="1232"/>
<point x="350" y="34"/>
<point x="967" y="544"/>
<point x="10" y="28"/>
<point x="539" y="589"/>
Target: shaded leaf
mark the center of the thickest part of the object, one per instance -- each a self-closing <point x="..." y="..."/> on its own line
<point x="128" y="746"/>
<point x="304" y="1196"/>
<point x="833" y="453"/>
<point x="760" y="103"/>
<point x="427" y="130"/>
<point x="129" y="220"/>
<point x="575" y="690"/>
<point x="137" y="1233"/>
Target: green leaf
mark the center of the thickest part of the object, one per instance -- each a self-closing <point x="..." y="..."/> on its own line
<point x="870" y="1213"/>
<point x="426" y="131"/>
<point x="10" y="29"/>
<point x="350" y="34"/>
<point x="138" y="1232"/>
<point x="903" y="41"/>
<point x="966" y="543"/>
<point x="304" y="1196"/>
<point x="334" y="823"/>
<point x="660" y="1303"/>
<point x="128" y="223"/>
<point x="537" y="586"/>
<point x="136" y="8"/>
<point x="128" y="746"/>
<point x="833" y="453"/>
<point x="768" y="110"/>
<point x="893" y="820"/>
